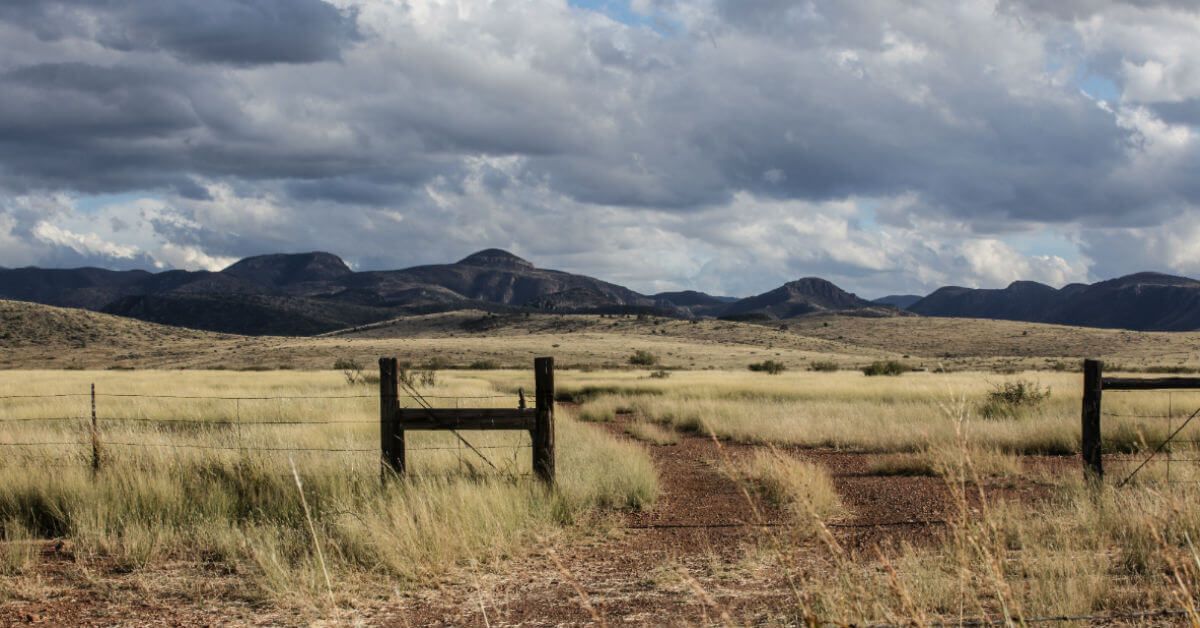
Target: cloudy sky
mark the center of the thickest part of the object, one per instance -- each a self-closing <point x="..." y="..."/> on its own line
<point x="720" y="145"/>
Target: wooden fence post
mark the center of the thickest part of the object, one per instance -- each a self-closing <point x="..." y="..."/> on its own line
<point x="391" y="437"/>
<point x="95" y="434"/>
<point x="1093" y="466"/>
<point x="543" y="433"/>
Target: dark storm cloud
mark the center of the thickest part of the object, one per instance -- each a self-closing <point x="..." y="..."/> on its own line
<point x="465" y="123"/>
<point x="648" y="121"/>
<point x="242" y="32"/>
<point x="1186" y="112"/>
<point x="350" y="191"/>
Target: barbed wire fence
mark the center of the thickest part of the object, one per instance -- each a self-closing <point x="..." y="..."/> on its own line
<point x="94" y="422"/>
<point x="1173" y="439"/>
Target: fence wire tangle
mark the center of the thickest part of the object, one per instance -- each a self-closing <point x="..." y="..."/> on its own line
<point x="95" y="428"/>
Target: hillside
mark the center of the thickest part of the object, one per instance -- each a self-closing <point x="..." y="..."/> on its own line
<point x="797" y="298"/>
<point x="38" y="336"/>
<point x="43" y="336"/>
<point x="1142" y="301"/>
<point x="901" y="301"/>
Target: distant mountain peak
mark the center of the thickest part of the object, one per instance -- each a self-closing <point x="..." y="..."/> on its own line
<point x="494" y="258"/>
<point x="796" y="298"/>
<point x="1149" y="278"/>
<point x="287" y="268"/>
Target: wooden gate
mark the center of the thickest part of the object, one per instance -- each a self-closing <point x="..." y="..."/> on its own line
<point x="538" y="421"/>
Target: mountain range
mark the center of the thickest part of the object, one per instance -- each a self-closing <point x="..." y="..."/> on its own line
<point x="312" y="293"/>
<point x="1141" y="301"/>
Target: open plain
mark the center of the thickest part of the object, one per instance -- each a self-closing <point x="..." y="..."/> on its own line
<point x="233" y="480"/>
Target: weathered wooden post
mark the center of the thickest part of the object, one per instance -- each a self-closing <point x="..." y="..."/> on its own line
<point x="1093" y="466"/>
<point x="543" y="433"/>
<point x="95" y="434"/>
<point x="391" y="437"/>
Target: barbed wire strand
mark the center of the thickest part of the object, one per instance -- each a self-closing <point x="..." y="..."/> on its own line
<point x="229" y="448"/>
<point x="271" y="398"/>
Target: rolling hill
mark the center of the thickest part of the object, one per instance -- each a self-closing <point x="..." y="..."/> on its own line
<point x="1141" y="301"/>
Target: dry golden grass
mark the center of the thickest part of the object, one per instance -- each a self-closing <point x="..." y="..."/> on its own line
<point x="802" y="487"/>
<point x="943" y="460"/>
<point x="846" y="410"/>
<point x="40" y="336"/>
<point x="956" y="341"/>
<point x="212" y="479"/>
<point x="651" y="433"/>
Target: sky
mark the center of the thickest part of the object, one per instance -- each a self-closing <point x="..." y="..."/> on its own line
<point x="718" y="145"/>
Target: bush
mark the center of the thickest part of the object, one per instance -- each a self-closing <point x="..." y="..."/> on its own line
<point x="350" y="368"/>
<point x="484" y="365"/>
<point x="641" y="357"/>
<point x="768" y="366"/>
<point x="889" y="367"/>
<point x="660" y="374"/>
<point x="1010" y="399"/>
<point x="823" y="366"/>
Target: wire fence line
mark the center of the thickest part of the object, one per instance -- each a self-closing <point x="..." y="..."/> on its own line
<point x="249" y="398"/>
<point x="1175" y="423"/>
<point x="96" y="419"/>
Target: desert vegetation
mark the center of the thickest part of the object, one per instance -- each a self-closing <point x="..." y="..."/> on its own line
<point x="270" y="478"/>
<point x="849" y="411"/>
<point x="235" y="482"/>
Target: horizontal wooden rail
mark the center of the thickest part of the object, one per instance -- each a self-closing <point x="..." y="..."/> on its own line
<point x="466" y="419"/>
<point x="1148" y="383"/>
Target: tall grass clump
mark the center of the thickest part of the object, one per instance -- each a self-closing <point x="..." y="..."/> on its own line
<point x="651" y="433"/>
<point x="804" y="488"/>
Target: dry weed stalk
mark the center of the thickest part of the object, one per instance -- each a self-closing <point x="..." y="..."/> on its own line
<point x="313" y="531"/>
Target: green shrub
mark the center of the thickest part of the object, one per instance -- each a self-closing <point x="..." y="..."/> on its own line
<point x="484" y="365"/>
<point x="768" y="366"/>
<point x="641" y="357"/>
<point x="1010" y="400"/>
<point x="888" y="367"/>
<point x="823" y="366"/>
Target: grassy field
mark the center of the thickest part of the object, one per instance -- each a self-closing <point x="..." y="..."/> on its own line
<point x="224" y="455"/>
<point x="39" y="336"/>
<point x="1074" y="550"/>
<point x="849" y="411"/>
<point x="185" y="475"/>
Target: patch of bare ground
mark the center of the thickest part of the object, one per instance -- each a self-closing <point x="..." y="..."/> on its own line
<point x="693" y="559"/>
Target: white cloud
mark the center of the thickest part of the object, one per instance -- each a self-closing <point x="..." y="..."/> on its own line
<point x="189" y="258"/>
<point x="88" y="244"/>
